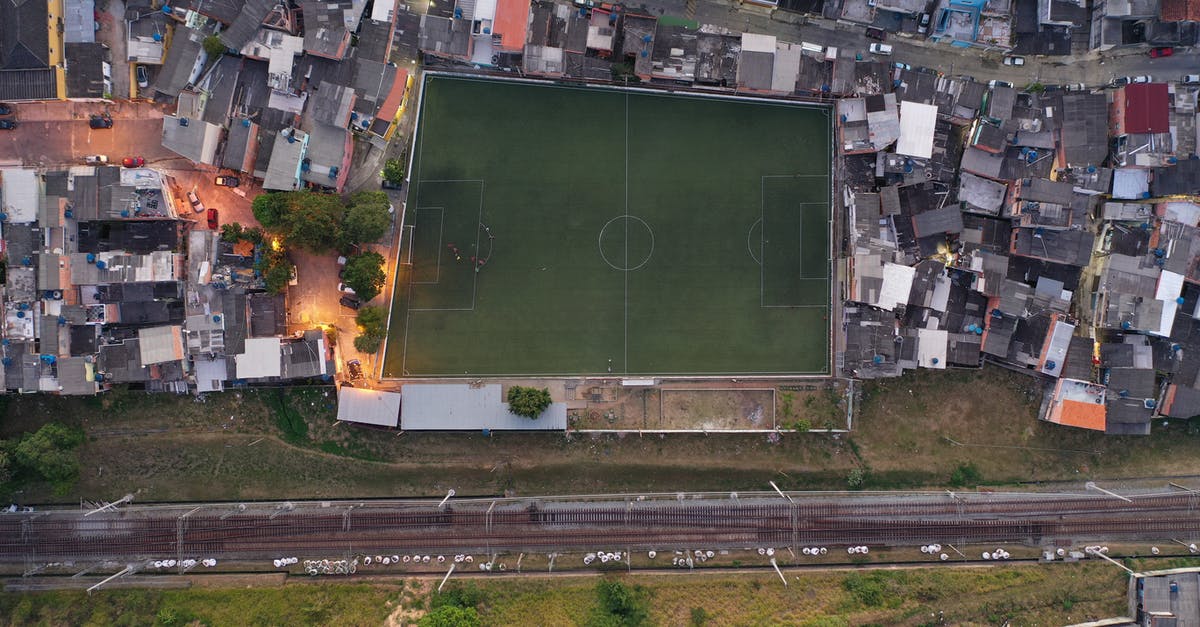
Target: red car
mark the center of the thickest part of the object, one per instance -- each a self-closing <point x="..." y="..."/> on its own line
<point x="133" y="162"/>
<point x="1164" y="51"/>
<point x="212" y="218"/>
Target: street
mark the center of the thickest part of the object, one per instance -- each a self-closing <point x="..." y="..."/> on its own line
<point x="52" y="133"/>
<point x="1094" y="69"/>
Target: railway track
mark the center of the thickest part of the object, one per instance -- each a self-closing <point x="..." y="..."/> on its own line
<point x="145" y="532"/>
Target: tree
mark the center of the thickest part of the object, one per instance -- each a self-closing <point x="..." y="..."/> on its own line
<point x="372" y="323"/>
<point x="367" y="219"/>
<point x="6" y="475"/>
<point x="213" y="46"/>
<point x="528" y="402"/>
<point x="313" y="221"/>
<point x="450" y="616"/>
<point x="393" y="172"/>
<point x="49" y="453"/>
<point x="269" y="209"/>
<point x="364" y="274"/>
<point x="620" y="605"/>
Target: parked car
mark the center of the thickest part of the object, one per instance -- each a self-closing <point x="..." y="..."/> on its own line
<point x="197" y="206"/>
<point x="923" y="24"/>
<point x="227" y="181"/>
<point x="133" y="162"/>
<point x="345" y="289"/>
<point x="1122" y="81"/>
<point x="143" y="78"/>
<point x="876" y="33"/>
<point x="100" y="121"/>
<point x="1075" y="87"/>
<point x="350" y="301"/>
<point x="212" y="218"/>
<point x="1190" y="79"/>
<point x="96" y="159"/>
<point x="995" y="84"/>
<point x="902" y="66"/>
<point x="1161" y="51"/>
<point x="8" y="125"/>
<point x="1014" y="60"/>
<point x="885" y="49"/>
<point x="354" y="366"/>
<point x="5" y="109"/>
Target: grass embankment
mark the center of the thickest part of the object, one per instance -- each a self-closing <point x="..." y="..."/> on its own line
<point x="1054" y="594"/>
<point x="920" y="430"/>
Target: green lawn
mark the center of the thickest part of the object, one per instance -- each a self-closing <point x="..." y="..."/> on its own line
<point x="619" y="231"/>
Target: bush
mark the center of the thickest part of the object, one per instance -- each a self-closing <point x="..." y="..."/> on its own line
<point x="393" y="172"/>
<point x="966" y="475"/>
<point x="528" y="402"/>
<point x="450" y="616"/>
<point x="855" y="478"/>
<point x="49" y="453"/>
<point x="364" y="274"/>
<point x="620" y="605"/>
<point x="213" y="46"/>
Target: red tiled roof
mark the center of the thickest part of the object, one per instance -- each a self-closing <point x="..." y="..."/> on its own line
<point x="1179" y="11"/>
<point x="1146" y="108"/>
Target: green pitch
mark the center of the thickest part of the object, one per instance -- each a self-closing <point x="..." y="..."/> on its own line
<point x="622" y="232"/>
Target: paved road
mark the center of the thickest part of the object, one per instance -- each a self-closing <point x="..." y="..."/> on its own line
<point x="57" y="133"/>
<point x="1094" y="69"/>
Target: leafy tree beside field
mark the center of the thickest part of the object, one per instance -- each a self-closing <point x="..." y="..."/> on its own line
<point x="47" y="454"/>
<point x="372" y="323"/>
<point x="364" y="274"/>
<point x="528" y="402"/>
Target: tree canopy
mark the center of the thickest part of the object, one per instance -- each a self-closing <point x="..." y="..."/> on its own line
<point x="213" y="46"/>
<point x="364" y="274"/>
<point x="367" y="218"/>
<point x="372" y="322"/>
<point x="528" y="402"/>
<point x="320" y="222"/>
<point x="393" y="171"/>
<point x="49" y="453"/>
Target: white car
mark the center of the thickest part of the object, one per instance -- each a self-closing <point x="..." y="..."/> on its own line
<point x="345" y="289"/>
<point x="197" y="206"/>
<point x="1190" y="79"/>
<point x="1014" y="60"/>
<point x="96" y="159"/>
<point x="885" y="49"/>
<point x="995" y="84"/>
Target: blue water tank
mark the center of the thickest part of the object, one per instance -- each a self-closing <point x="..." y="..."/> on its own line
<point x="216" y="318"/>
<point x="91" y="257"/>
<point x="101" y="265"/>
<point x="7" y="361"/>
<point x="124" y="213"/>
<point x="99" y="377"/>
<point x="877" y="359"/>
<point x="246" y="122"/>
<point x="1179" y="301"/>
<point x="645" y="54"/>
<point x="27" y="260"/>
<point x="647" y="38"/>
<point x="20" y="314"/>
<point x="1145" y="194"/>
<point x="157" y="37"/>
<point x="62" y="321"/>
<point x="69" y="214"/>
<point x="934" y="361"/>
<point x="1051" y="365"/>
<point x="1125" y="324"/>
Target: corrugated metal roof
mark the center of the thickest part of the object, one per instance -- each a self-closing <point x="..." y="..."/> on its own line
<point x="460" y="406"/>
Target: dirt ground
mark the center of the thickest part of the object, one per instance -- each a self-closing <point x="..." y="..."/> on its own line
<point x="914" y="431"/>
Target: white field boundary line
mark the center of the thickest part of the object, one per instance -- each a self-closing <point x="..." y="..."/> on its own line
<point x="762" y="211"/>
<point x="413" y="148"/>
<point x="601" y="376"/>
<point x="474" y="273"/>
<point x="662" y="396"/>
<point x="441" y="232"/>
<point x="593" y="87"/>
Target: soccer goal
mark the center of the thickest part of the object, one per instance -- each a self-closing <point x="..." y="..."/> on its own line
<point x="406" y="242"/>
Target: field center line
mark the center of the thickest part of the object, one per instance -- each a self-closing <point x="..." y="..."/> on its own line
<point x="475" y="270"/>
<point x="762" y="248"/>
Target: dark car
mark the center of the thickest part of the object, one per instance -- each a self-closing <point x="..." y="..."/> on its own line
<point x="355" y="368"/>
<point x="350" y="302"/>
<point x="133" y="162"/>
<point x="212" y="218"/>
<point x="100" y="121"/>
<point x="1161" y="51"/>
<point x="227" y="181"/>
<point x="876" y="33"/>
<point x="5" y="109"/>
<point x="8" y="125"/>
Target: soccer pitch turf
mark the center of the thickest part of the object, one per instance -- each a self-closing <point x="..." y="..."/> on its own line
<point x="620" y="232"/>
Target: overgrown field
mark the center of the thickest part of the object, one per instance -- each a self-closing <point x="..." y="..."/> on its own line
<point x="1017" y="594"/>
<point x="927" y="429"/>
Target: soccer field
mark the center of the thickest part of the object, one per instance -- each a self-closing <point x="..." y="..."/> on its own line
<point x="567" y="231"/>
